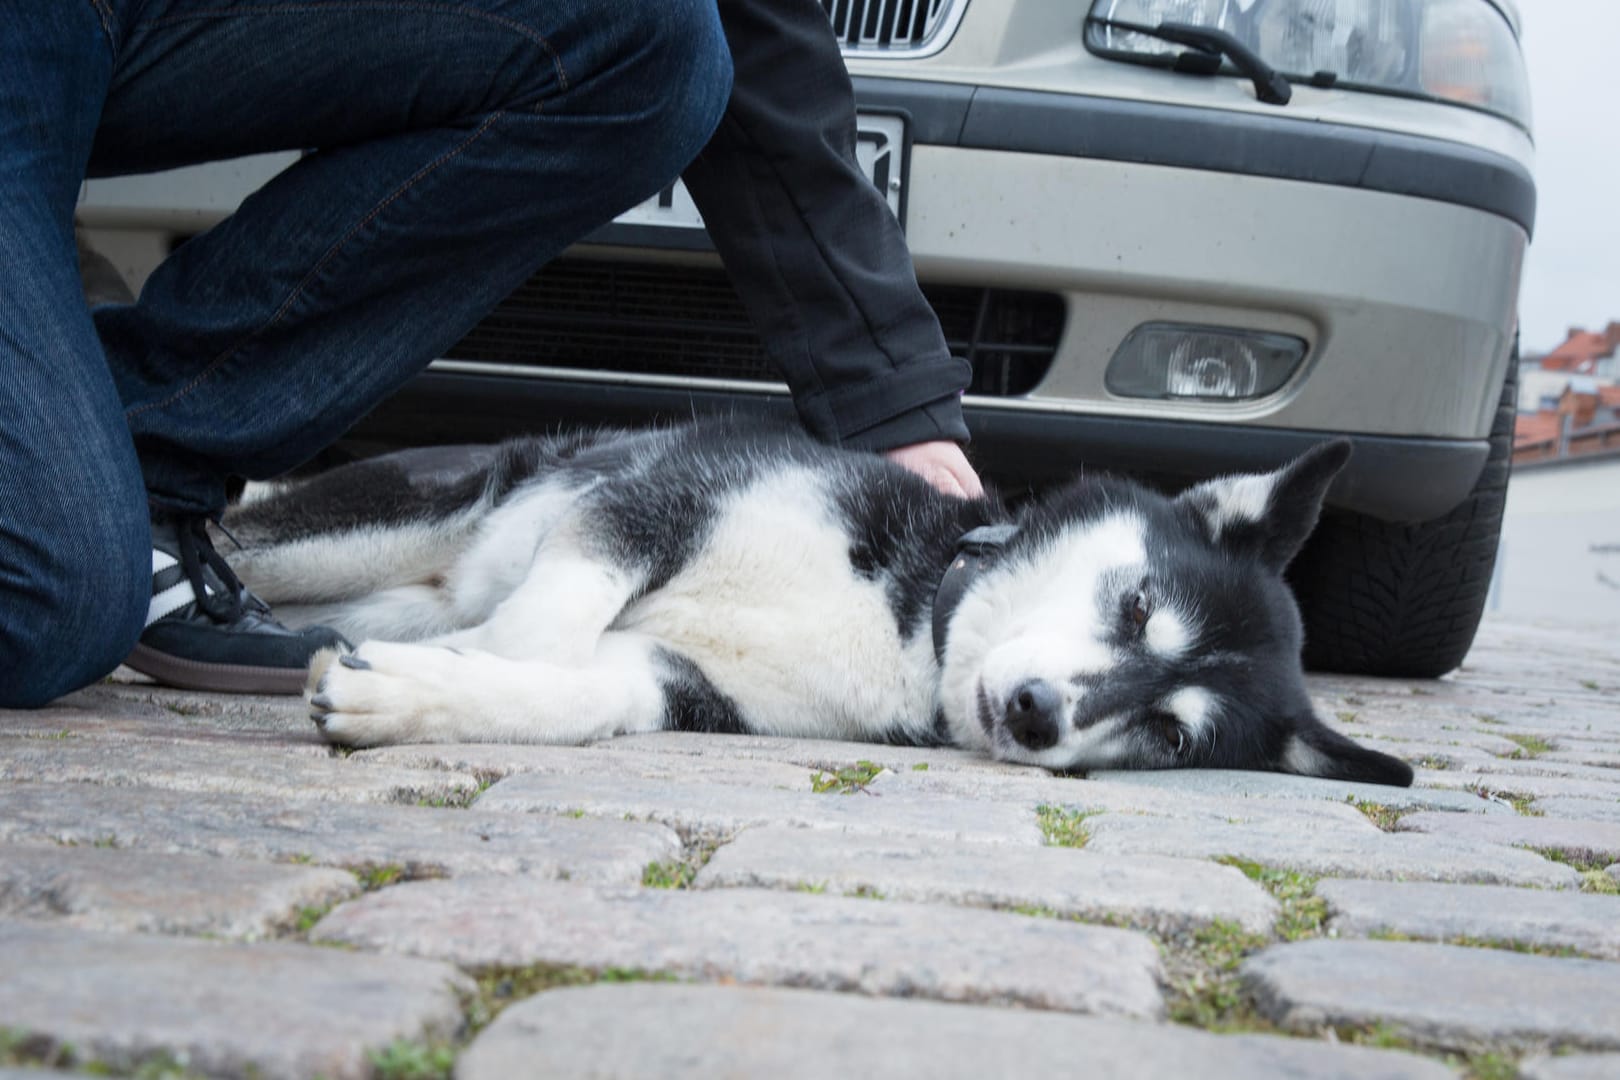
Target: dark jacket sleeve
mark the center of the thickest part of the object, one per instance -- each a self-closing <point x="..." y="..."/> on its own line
<point x="811" y="245"/>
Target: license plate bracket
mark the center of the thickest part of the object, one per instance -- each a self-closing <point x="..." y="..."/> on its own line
<point x="880" y="149"/>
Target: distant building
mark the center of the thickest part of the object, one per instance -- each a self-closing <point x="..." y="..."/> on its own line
<point x="1569" y="400"/>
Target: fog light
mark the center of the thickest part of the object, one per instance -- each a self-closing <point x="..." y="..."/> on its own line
<point x="1167" y="360"/>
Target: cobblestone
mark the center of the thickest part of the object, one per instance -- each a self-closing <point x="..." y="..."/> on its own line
<point x="1573" y="1067"/>
<point x="1257" y="785"/>
<point x="1439" y="995"/>
<point x="695" y="1033"/>
<point x="1588" y="924"/>
<point x="106" y="889"/>
<point x="1586" y="840"/>
<point x="1098" y="796"/>
<point x="1367" y="853"/>
<point x="197" y="767"/>
<point x="709" y="810"/>
<point x="495" y="762"/>
<point x="422" y="842"/>
<point x="1527" y="784"/>
<point x="869" y="946"/>
<point x="1168" y="895"/>
<point x="272" y="1011"/>
<point x="1581" y="809"/>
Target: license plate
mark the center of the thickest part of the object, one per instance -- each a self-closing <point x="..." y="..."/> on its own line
<point x="880" y="149"/>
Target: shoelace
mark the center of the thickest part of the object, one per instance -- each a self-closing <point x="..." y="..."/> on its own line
<point x="196" y="552"/>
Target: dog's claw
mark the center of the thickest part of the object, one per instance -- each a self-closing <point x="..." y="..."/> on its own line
<point x="321" y="702"/>
<point x="319" y="718"/>
<point x="353" y="660"/>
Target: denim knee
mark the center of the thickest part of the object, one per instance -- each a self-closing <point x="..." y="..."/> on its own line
<point x="659" y="76"/>
<point x="75" y="606"/>
<point x="686" y="50"/>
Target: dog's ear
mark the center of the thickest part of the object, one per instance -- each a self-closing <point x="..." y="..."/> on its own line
<point x="1313" y="749"/>
<point x="1269" y="514"/>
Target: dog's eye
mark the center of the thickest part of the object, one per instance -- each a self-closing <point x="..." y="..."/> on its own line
<point x="1139" y="610"/>
<point x="1171" y="731"/>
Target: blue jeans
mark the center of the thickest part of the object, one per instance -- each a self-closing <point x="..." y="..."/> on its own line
<point x="458" y="145"/>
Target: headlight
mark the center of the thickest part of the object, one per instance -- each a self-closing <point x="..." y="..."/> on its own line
<point x="1460" y="51"/>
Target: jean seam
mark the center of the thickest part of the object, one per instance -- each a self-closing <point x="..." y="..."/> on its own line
<point x="105" y="11"/>
<point x="380" y="5"/>
<point x="314" y="271"/>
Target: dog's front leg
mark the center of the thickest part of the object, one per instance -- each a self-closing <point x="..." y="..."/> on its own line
<point x="558" y="611"/>
<point x="386" y="693"/>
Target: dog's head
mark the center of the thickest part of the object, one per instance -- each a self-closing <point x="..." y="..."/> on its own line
<point x="1120" y="628"/>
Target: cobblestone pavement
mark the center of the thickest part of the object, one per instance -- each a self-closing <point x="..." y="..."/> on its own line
<point x="195" y="885"/>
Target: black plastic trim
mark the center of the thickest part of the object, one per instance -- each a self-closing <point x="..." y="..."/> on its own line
<point x="1390" y="478"/>
<point x="1218" y="140"/>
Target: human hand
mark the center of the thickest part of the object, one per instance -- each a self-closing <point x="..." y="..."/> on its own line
<point x="942" y="464"/>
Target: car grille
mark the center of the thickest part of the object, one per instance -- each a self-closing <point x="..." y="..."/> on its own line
<point x="892" y="26"/>
<point x="579" y="314"/>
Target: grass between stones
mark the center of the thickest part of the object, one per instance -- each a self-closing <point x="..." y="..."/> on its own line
<point x="403" y="1059"/>
<point x="1063" y="828"/>
<point x="1385" y="817"/>
<point x="1563" y="952"/>
<point x="379" y="876"/>
<point x="309" y="916"/>
<point x="1529" y="746"/>
<point x="1595" y="877"/>
<point x="1521" y="803"/>
<point x="845" y="781"/>
<point x="497" y="988"/>
<point x="680" y="873"/>
<point x="20" y="1049"/>
<point x="456" y="800"/>
<point x="1205" y="989"/>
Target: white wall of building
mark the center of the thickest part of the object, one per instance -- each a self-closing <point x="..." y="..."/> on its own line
<point x="1560" y="554"/>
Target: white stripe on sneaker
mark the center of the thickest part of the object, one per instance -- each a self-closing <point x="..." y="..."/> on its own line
<point x="169" y="601"/>
<point x="173" y="598"/>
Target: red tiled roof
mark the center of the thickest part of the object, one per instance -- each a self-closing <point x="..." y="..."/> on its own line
<point x="1582" y="349"/>
<point x="1535" y="427"/>
<point x="1579" y="353"/>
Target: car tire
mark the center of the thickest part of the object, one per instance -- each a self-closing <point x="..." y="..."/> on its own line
<point x="1405" y="600"/>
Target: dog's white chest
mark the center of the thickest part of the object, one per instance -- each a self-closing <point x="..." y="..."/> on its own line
<point x="772" y="611"/>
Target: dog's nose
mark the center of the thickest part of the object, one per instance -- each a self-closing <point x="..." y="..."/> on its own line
<point x="1033" y="714"/>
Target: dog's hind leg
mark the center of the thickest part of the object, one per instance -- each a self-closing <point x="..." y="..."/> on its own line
<point x="405" y="613"/>
<point x="387" y="693"/>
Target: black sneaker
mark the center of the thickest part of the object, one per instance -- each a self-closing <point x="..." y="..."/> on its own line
<point x="205" y="631"/>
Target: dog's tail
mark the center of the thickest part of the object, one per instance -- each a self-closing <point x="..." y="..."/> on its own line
<point x="360" y="528"/>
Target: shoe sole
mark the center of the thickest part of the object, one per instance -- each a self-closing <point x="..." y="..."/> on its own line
<point x="225" y="678"/>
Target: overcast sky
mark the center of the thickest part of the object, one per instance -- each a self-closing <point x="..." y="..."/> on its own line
<point x="1573" y="274"/>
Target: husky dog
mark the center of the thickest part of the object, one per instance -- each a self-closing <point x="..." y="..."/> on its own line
<point x="732" y="576"/>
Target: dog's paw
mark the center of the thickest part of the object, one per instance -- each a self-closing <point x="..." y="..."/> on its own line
<point x="318" y="666"/>
<point x="382" y="693"/>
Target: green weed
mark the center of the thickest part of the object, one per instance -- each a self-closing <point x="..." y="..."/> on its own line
<point x="845" y="781"/>
<point x="1063" y="828"/>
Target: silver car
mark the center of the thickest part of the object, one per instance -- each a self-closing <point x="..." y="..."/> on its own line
<point x="1174" y="237"/>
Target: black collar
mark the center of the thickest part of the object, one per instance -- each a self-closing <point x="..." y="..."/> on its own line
<point x="975" y="550"/>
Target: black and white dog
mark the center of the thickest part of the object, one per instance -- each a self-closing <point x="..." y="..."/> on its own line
<point x="739" y="577"/>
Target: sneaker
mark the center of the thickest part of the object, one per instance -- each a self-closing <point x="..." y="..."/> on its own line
<point x="206" y="631"/>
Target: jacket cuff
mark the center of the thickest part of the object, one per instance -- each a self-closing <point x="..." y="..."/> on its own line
<point x="918" y="403"/>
